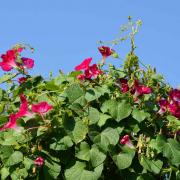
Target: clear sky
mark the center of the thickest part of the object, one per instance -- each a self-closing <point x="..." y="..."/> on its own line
<point x="65" y="32"/>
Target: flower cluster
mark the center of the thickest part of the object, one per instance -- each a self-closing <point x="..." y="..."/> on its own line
<point x="41" y="108"/>
<point x="89" y="71"/>
<point x="11" y="59"/>
<point x="136" y="89"/>
<point x="171" y="104"/>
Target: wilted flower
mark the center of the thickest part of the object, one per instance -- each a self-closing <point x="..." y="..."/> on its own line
<point x="105" y="51"/>
<point x="39" y="161"/>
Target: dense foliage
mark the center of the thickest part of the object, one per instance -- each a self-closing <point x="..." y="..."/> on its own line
<point x="93" y="123"/>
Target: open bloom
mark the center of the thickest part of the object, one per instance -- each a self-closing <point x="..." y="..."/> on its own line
<point x="27" y="62"/>
<point x="89" y="71"/>
<point x="140" y="90"/>
<point x="105" y="51"/>
<point x="8" y="60"/>
<point x="174" y="95"/>
<point x="41" y="107"/>
<point x="84" y="65"/>
<point x="126" y="141"/>
<point x="39" y="161"/>
<point x="23" y="110"/>
<point x="11" y="124"/>
<point x="174" y="109"/>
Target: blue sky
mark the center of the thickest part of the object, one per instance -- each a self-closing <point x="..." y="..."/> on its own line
<point x="65" y="32"/>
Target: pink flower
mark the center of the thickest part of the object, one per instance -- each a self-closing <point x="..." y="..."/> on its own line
<point x="27" y="62"/>
<point x="11" y="124"/>
<point x="84" y="65"/>
<point x="124" y="85"/>
<point x="105" y="51"/>
<point x="22" y="80"/>
<point x="89" y="71"/>
<point x="41" y="107"/>
<point x="39" y="161"/>
<point x="23" y="110"/>
<point x="163" y="103"/>
<point x="126" y="141"/>
<point x="8" y="60"/>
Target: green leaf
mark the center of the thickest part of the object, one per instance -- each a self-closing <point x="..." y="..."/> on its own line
<point x="97" y="157"/>
<point x="103" y="118"/>
<point x="51" y="170"/>
<point x="74" y="92"/>
<point x="6" y="77"/>
<point x="94" y="116"/>
<point x="28" y="163"/>
<point x="19" y="174"/>
<point x="118" y="110"/>
<point x="63" y="144"/>
<point x="4" y="173"/>
<point x="78" y="172"/>
<point x="151" y="165"/>
<point x="15" y="158"/>
<point x="80" y="131"/>
<point x="139" y="115"/>
<point x="124" y="159"/>
<point x="171" y="150"/>
<point x="108" y="137"/>
<point x="84" y="152"/>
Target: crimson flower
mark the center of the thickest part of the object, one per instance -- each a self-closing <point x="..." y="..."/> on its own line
<point x="105" y="51"/>
<point x="22" y="80"/>
<point x="174" y="109"/>
<point x="39" y="161"/>
<point x="174" y="95"/>
<point x="8" y="60"/>
<point x="23" y="110"/>
<point x="27" y="62"/>
<point x="124" y="85"/>
<point x="163" y="103"/>
<point x="126" y="141"/>
<point x="140" y="90"/>
<point x="11" y="124"/>
<point x="89" y="71"/>
<point x="84" y="65"/>
<point x="41" y="107"/>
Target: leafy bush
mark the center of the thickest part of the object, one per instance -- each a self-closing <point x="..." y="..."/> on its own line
<point x="93" y="123"/>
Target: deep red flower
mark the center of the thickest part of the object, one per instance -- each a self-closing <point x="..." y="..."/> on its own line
<point x="126" y="141"/>
<point x="27" y="62"/>
<point x="20" y="49"/>
<point x="105" y="51"/>
<point x="22" y="80"/>
<point x="139" y="89"/>
<point x="11" y="124"/>
<point x="174" y="109"/>
<point x="124" y="85"/>
<point x="23" y="110"/>
<point x="174" y="95"/>
<point x="84" y="65"/>
<point x="163" y="103"/>
<point x="95" y="71"/>
<point x="41" y="107"/>
<point x="39" y="161"/>
<point x="8" y="60"/>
